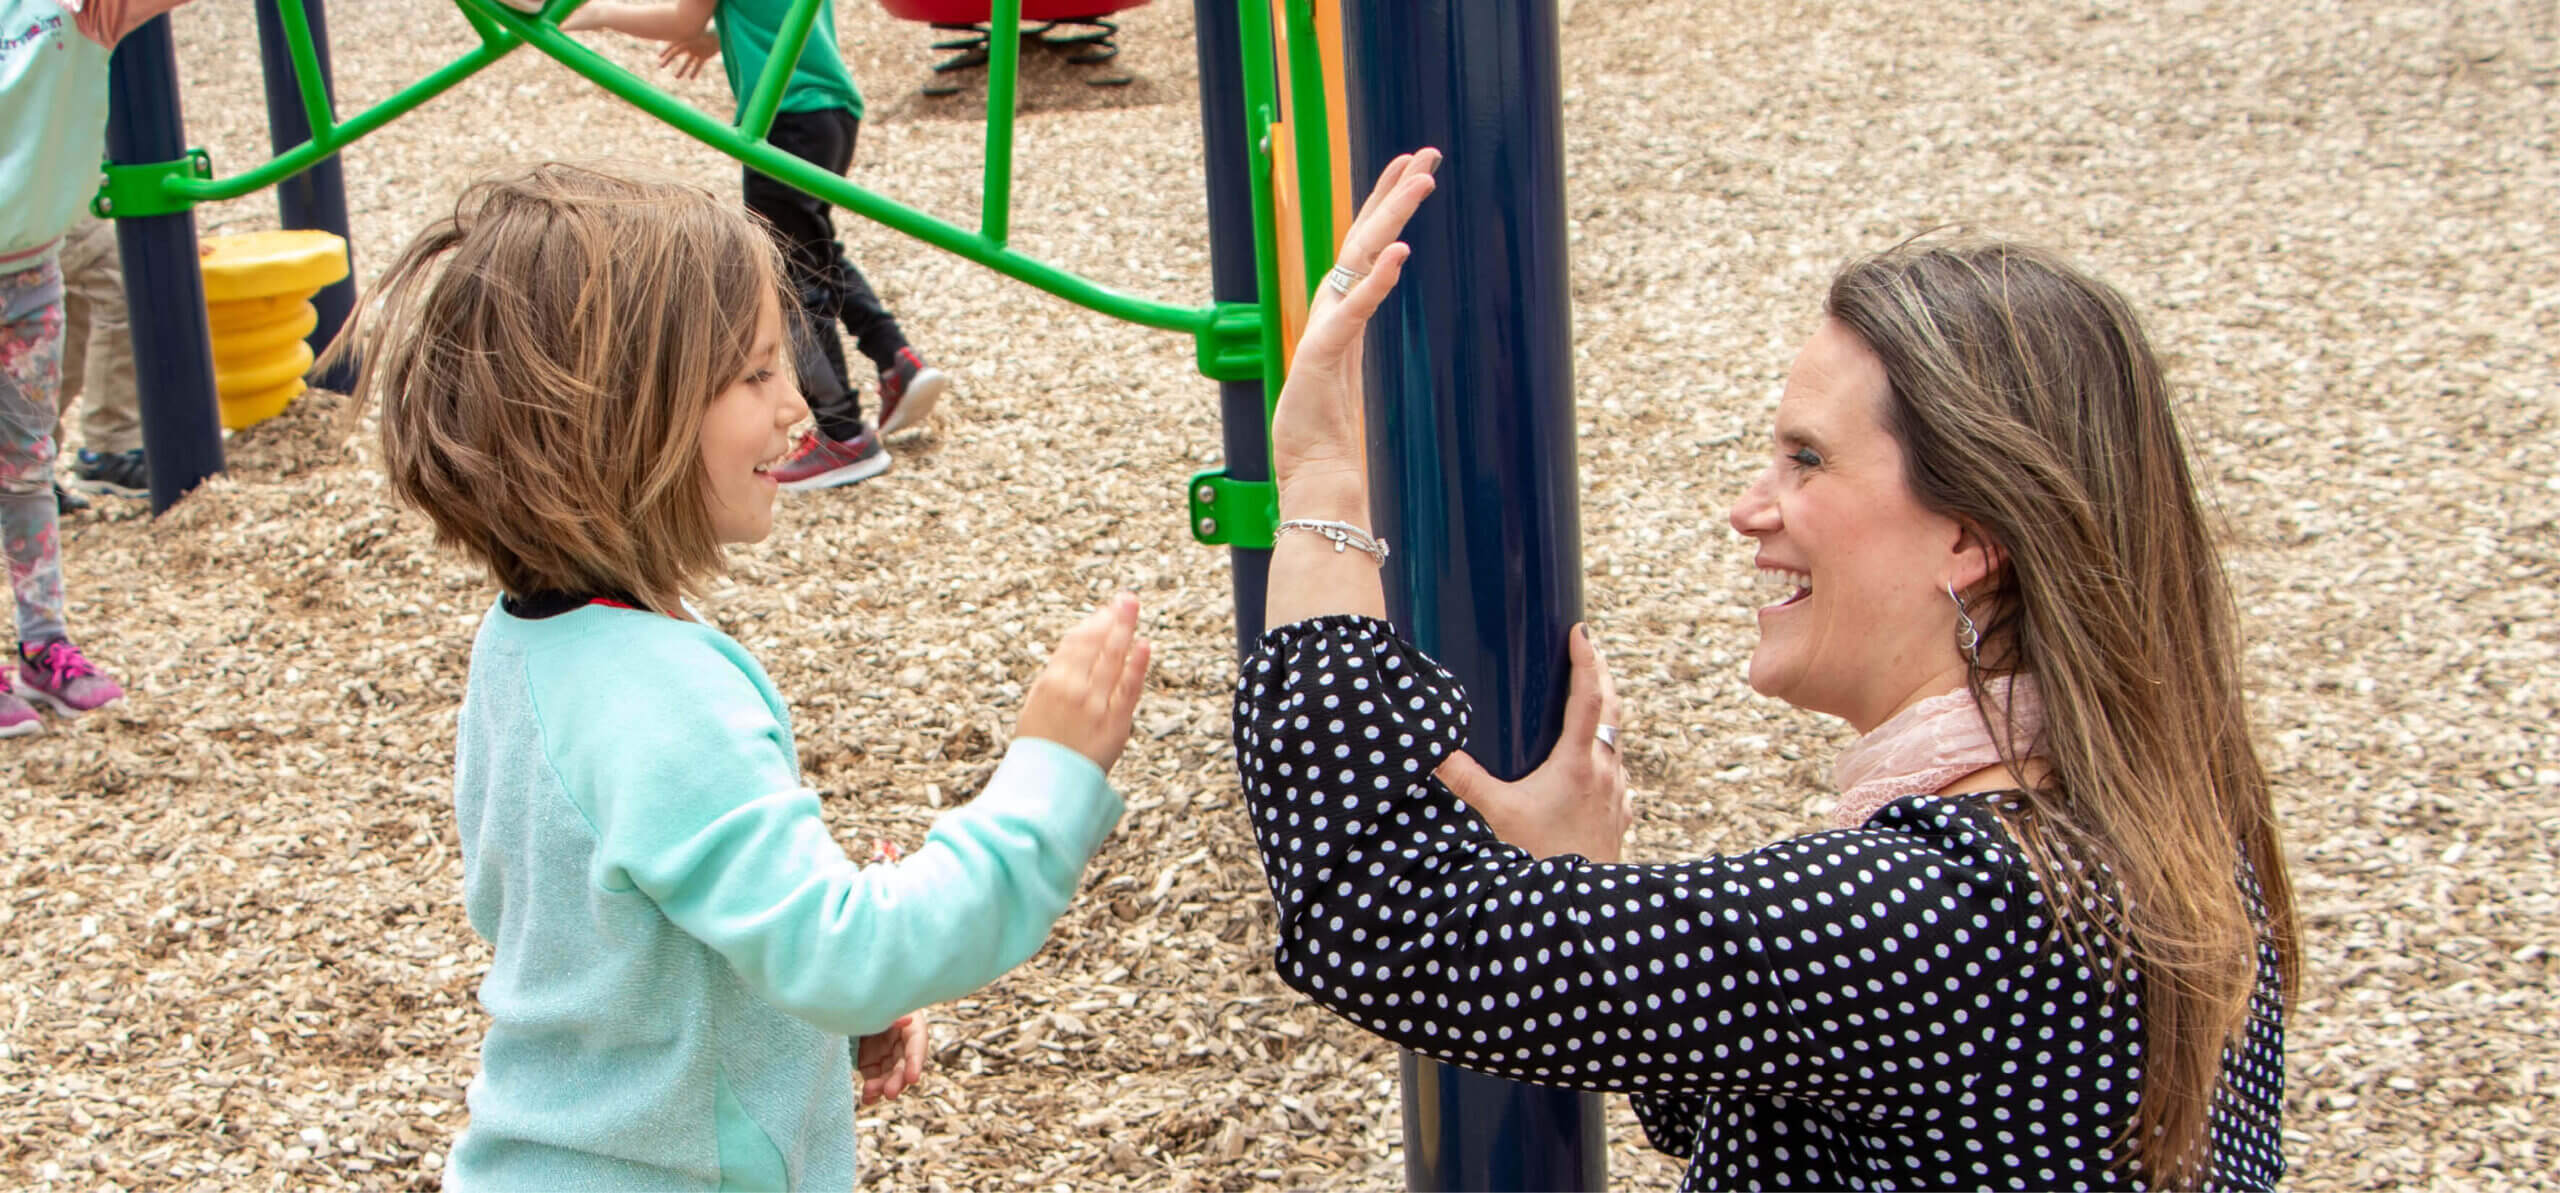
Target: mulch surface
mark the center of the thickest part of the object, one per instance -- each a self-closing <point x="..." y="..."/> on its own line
<point x="232" y="952"/>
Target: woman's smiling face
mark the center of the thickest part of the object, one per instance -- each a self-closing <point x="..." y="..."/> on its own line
<point x="1862" y="626"/>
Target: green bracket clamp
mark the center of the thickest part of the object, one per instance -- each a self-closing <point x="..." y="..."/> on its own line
<point x="1233" y="513"/>
<point x="1230" y="343"/>
<point x="128" y="192"/>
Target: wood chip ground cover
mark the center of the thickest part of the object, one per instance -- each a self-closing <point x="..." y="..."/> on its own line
<point x="231" y="949"/>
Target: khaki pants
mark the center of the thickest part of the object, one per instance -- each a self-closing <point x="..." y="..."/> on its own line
<point x="97" y="346"/>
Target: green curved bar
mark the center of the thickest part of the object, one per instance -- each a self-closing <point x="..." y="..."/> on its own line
<point x="328" y="139"/>
<point x="1234" y="341"/>
<point x="840" y="191"/>
<point x="503" y="30"/>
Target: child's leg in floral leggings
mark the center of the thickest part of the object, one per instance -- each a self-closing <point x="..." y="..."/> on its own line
<point x="30" y="369"/>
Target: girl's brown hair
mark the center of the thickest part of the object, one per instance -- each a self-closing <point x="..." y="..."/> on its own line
<point x="2029" y="406"/>
<point x="543" y="358"/>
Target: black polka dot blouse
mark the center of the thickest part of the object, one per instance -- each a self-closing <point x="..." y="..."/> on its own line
<point x="1883" y="1007"/>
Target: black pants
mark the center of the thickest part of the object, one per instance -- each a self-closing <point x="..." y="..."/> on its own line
<point x="830" y="289"/>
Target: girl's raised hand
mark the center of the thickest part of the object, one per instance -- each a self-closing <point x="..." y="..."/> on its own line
<point x="1085" y="696"/>
<point x="1315" y="426"/>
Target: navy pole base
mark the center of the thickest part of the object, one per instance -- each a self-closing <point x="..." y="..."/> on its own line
<point x="172" y="349"/>
<point x="1465" y="1130"/>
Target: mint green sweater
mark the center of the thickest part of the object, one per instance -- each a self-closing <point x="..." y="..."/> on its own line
<point x="682" y="949"/>
<point x="53" y="128"/>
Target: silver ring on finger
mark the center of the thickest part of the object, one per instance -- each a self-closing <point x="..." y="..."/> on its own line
<point x="1608" y="735"/>
<point x="1341" y="278"/>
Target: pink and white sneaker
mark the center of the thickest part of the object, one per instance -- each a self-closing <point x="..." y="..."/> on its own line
<point x="17" y="717"/>
<point x="58" y="674"/>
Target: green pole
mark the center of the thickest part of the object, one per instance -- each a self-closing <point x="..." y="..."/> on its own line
<point x="306" y="69"/>
<point x="1004" y="64"/>
<point x="1260" y="109"/>
<point x="756" y="118"/>
<point x="1310" y="124"/>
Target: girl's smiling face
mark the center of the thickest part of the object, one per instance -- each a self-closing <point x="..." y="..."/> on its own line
<point x="1861" y="626"/>
<point x="747" y="431"/>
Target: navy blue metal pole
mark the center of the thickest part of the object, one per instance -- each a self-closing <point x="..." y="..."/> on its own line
<point x="1230" y="174"/>
<point x="1471" y="450"/>
<point x="317" y="197"/>
<point x="164" y="287"/>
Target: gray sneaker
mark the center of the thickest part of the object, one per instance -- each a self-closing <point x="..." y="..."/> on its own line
<point x="124" y="474"/>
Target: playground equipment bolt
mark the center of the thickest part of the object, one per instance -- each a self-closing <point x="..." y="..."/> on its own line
<point x="1208" y="526"/>
<point x="1207" y="495"/>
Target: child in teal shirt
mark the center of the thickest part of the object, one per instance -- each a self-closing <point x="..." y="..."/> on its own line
<point x="584" y="385"/>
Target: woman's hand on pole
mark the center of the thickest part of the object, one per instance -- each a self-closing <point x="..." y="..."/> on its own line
<point x="1576" y="802"/>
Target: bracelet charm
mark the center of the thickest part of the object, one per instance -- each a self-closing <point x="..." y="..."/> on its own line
<point x="1344" y="536"/>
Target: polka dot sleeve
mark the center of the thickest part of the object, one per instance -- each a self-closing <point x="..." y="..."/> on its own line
<point x="1401" y="911"/>
<point x="1670" y="1121"/>
<point x="1882" y="1007"/>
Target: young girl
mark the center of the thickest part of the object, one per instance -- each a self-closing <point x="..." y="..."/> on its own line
<point x="53" y="128"/>
<point x="582" y="385"/>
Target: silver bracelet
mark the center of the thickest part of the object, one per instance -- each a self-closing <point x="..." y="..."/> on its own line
<point x="1343" y="535"/>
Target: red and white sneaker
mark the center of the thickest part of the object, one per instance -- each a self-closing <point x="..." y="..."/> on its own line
<point x="823" y="463"/>
<point x="58" y="674"/>
<point x="908" y="390"/>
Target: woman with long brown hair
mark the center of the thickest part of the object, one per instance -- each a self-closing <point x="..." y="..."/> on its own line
<point x="2048" y="938"/>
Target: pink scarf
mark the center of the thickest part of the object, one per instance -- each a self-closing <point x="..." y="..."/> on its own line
<point x="1927" y="746"/>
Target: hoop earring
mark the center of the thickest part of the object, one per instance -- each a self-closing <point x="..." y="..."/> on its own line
<point x="1968" y="637"/>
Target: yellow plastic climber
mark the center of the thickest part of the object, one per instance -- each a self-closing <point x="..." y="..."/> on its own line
<point x="257" y="298"/>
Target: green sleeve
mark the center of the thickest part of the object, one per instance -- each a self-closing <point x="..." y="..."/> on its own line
<point x="703" y="812"/>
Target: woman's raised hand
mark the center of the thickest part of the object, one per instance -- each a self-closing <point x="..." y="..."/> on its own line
<point x="1085" y="696"/>
<point x="1575" y="802"/>
<point x="1315" y="427"/>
